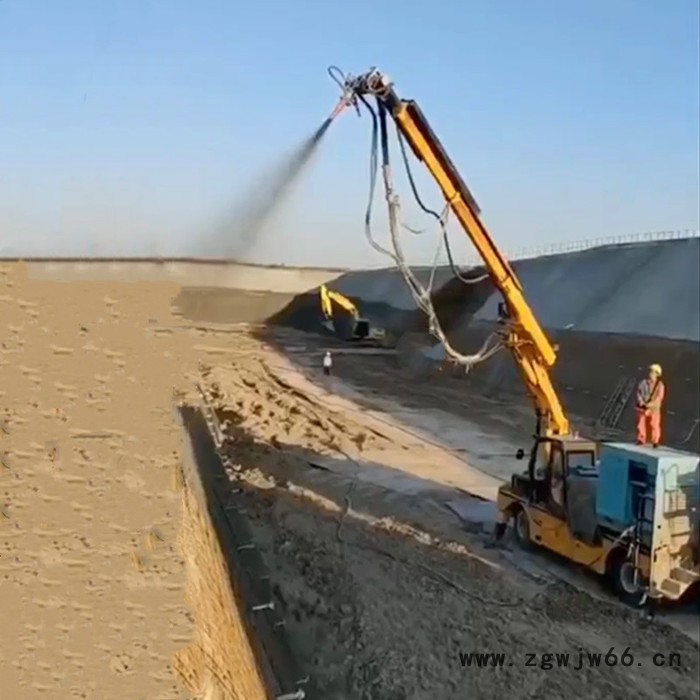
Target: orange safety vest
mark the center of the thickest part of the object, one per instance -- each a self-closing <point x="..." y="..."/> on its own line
<point x="650" y="396"/>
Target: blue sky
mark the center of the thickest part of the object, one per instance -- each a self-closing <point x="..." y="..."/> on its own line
<point x="139" y="126"/>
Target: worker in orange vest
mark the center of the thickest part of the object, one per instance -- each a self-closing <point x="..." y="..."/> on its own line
<point x="650" y="396"/>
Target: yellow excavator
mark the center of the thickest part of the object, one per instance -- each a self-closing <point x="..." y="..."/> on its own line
<point x="625" y="511"/>
<point x="359" y="328"/>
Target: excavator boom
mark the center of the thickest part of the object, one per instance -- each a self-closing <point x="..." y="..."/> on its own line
<point x="328" y="296"/>
<point x="326" y="305"/>
<point x="526" y="339"/>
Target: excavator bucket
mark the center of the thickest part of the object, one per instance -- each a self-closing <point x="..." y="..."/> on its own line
<point x="361" y="329"/>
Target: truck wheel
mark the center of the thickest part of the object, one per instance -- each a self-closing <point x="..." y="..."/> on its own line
<point x="621" y="575"/>
<point x="521" y="529"/>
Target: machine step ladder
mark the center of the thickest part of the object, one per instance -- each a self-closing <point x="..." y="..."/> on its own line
<point x="616" y="404"/>
<point x="643" y="527"/>
<point x="644" y="521"/>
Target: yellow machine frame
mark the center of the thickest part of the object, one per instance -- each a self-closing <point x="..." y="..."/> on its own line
<point x="553" y="534"/>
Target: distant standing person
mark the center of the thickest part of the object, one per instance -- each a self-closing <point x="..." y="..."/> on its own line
<point x="327" y="363"/>
<point x="650" y="397"/>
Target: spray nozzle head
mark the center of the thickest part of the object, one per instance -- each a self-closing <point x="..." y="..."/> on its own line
<point x="373" y="82"/>
<point x="347" y="85"/>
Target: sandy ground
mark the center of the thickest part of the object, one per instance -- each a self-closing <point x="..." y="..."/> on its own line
<point x="92" y="580"/>
<point x="108" y="582"/>
<point x="219" y="663"/>
<point x="111" y="580"/>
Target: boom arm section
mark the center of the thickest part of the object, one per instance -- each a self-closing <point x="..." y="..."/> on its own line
<point x="328" y="296"/>
<point x="326" y="305"/>
<point x="527" y="341"/>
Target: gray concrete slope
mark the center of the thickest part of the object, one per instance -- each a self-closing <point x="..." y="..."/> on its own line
<point x="650" y="289"/>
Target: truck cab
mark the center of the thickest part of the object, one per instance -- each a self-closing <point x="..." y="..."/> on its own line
<point x="551" y="463"/>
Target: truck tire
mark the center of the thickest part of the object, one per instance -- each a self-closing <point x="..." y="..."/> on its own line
<point x="521" y="530"/>
<point x="621" y="575"/>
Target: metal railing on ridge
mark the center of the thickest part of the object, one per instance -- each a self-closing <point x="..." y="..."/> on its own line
<point x="589" y="243"/>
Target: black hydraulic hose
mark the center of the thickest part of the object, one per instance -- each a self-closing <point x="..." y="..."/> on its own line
<point x="434" y="214"/>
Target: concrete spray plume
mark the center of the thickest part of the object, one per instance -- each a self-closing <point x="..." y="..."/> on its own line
<point x="245" y="224"/>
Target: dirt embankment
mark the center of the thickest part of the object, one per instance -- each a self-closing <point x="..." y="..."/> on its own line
<point x="217" y="305"/>
<point x="93" y="577"/>
<point x="219" y="663"/>
<point x="376" y="608"/>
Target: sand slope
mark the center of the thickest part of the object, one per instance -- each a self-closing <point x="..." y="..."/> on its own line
<point x="92" y="580"/>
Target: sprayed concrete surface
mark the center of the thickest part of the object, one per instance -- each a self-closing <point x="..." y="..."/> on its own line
<point x="612" y="311"/>
<point x="645" y="289"/>
<point x="355" y="483"/>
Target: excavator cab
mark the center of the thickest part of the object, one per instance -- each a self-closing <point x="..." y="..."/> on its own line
<point x="347" y="327"/>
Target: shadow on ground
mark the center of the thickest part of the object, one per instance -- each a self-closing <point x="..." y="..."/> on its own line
<point x="588" y="372"/>
<point x="241" y="628"/>
<point x="374" y="611"/>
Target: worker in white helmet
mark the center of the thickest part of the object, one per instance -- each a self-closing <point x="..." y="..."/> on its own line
<point x="327" y="363"/>
<point x="650" y="396"/>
